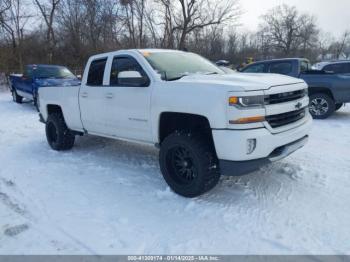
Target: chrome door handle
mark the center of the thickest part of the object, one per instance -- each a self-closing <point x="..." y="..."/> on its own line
<point x="84" y="94"/>
<point x="109" y="95"/>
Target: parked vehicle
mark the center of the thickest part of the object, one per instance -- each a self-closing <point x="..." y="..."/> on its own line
<point x="223" y="63"/>
<point x="205" y="122"/>
<point x="35" y="76"/>
<point x="328" y="90"/>
<point x="336" y="67"/>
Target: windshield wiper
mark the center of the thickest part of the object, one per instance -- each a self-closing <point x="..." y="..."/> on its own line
<point x="212" y="73"/>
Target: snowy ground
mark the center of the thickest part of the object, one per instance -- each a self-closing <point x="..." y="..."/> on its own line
<point x="108" y="197"/>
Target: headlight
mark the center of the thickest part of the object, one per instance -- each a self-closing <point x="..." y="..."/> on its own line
<point x="247" y="101"/>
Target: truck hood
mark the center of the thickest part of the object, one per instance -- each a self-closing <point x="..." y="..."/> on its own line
<point x="243" y="81"/>
<point x="41" y="82"/>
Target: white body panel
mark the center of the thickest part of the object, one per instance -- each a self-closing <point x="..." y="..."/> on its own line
<point x="133" y="113"/>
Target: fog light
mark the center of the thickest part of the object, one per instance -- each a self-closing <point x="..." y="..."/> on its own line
<point x="251" y="145"/>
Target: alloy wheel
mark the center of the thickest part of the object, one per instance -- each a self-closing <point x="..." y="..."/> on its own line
<point x="319" y="106"/>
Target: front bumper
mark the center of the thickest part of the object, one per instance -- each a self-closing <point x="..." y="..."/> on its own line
<point x="231" y="145"/>
<point x="238" y="168"/>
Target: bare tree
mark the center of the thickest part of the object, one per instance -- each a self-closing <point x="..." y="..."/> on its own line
<point x="198" y="14"/>
<point x="12" y="21"/>
<point x="48" y="10"/>
<point x="286" y="29"/>
<point x="135" y="20"/>
<point x="340" y="46"/>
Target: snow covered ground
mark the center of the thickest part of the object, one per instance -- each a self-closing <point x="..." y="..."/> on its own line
<point x="108" y="197"/>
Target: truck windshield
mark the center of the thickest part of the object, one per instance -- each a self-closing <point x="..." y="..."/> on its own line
<point x="52" y="72"/>
<point x="175" y="65"/>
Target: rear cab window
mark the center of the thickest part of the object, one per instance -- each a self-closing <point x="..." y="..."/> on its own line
<point x="28" y="72"/>
<point x="283" y="68"/>
<point x="96" y="72"/>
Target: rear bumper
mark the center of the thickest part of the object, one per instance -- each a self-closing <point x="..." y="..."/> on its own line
<point x="238" y="168"/>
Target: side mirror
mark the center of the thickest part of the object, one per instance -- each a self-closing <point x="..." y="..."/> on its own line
<point x="131" y="78"/>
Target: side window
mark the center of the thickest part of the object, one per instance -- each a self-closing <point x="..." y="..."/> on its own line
<point x="122" y="64"/>
<point x="258" y="68"/>
<point x="304" y="66"/>
<point x="337" y="68"/>
<point x="283" y="68"/>
<point x="96" y="71"/>
<point x="347" y="68"/>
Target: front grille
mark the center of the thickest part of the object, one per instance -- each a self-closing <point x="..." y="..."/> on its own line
<point x="285" y="97"/>
<point x="286" y="118"/>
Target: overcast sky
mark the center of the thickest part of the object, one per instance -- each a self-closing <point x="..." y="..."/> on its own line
<point x="332" y="15"/>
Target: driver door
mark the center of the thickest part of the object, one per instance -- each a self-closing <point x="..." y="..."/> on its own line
<point x="128" y="103"/>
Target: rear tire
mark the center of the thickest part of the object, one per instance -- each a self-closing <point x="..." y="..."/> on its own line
<point x="15" y="97"/>
<point x="189" y="164"/>
<point x="321" y="106"/>
<point x="338" y="106"/>
<point x="58" y="135"/>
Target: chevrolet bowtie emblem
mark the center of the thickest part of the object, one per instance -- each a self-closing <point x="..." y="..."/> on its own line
<point x="299" y="105"/>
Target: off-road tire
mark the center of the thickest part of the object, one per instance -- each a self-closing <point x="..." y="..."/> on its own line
<point x="320" y="98"/>
<point x="58" y="135"/>
<point x="203" y="159"/>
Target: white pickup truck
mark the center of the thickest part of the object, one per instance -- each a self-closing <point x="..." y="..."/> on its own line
<point x="205" y="122"/>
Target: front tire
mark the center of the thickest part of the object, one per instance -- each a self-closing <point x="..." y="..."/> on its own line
<point x="321" y="106"/>
<point x="15" y="97"/>
<point x="58" y="135"/>
<point x="189" y="164"/>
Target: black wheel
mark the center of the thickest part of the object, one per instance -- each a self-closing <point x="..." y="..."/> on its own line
<point x="15" y="97"/>
<point x="58" y="135"/>
<point x="338" y="106"/>
<point x="321" y="106"/>
<point x="189" y="164"/>
<point x="36" y="100"/>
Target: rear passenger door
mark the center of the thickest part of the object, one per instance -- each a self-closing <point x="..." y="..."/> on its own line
<point x="340" y="80"/>
<point x="92" y="97"/>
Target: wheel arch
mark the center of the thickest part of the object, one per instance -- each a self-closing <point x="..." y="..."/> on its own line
<point x="323" y="90"/>
<point x="170" y="122"/>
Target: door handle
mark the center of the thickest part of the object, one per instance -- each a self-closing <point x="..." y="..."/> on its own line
<point x="109" y="95"/>
<point x="84" y="94"/>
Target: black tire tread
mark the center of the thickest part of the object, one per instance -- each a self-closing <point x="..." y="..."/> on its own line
<point x="207" y="156"/>
<point x="66" y="138"/>
<point x="18" y="98"/>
